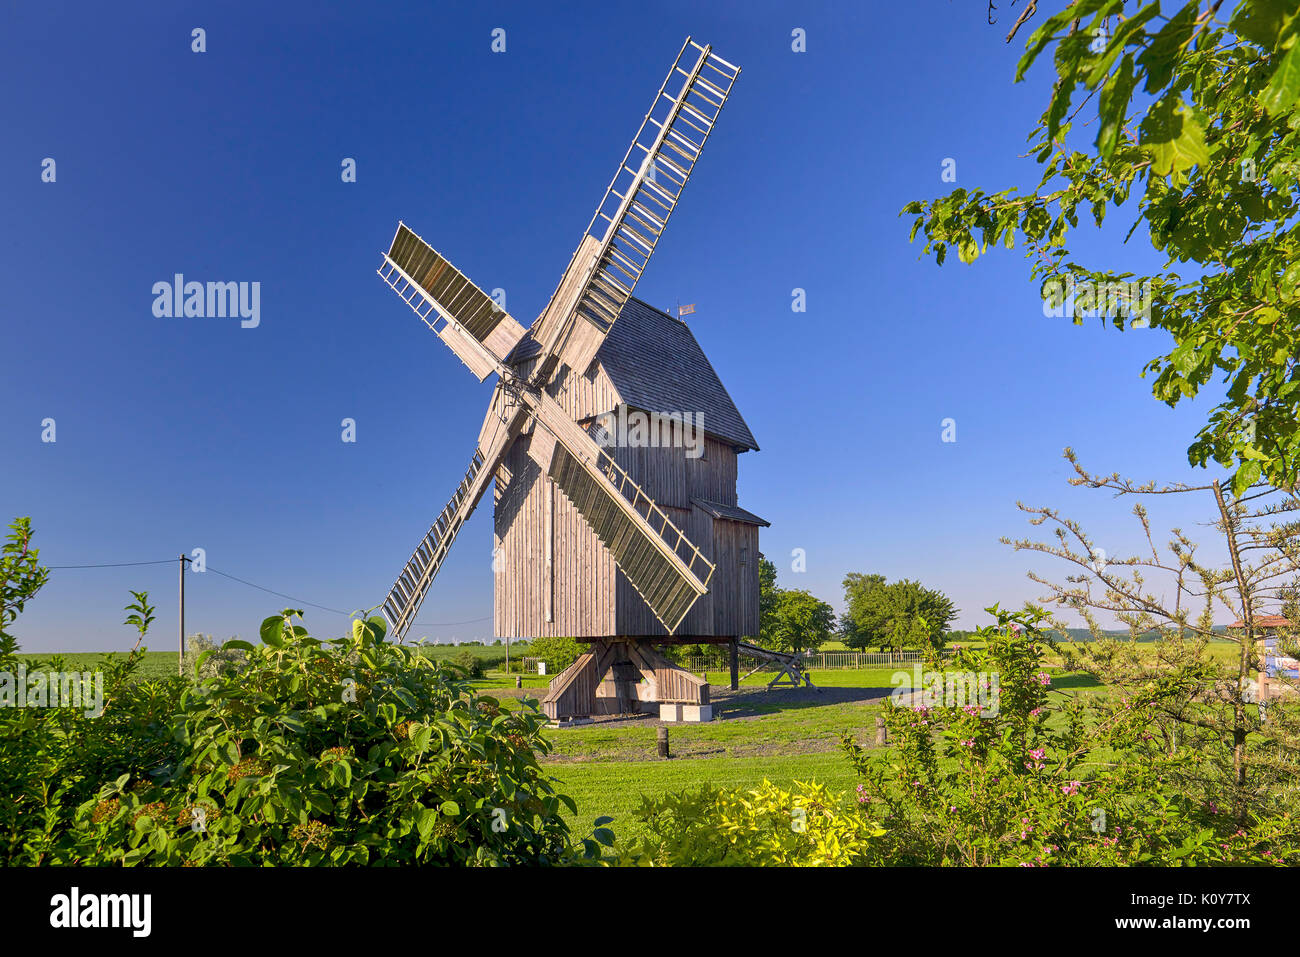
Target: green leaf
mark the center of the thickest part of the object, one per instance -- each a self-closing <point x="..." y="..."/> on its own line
<point x="420" y="739"/>
<point x="1173" y="137"/>
<point x="425" y="819"/>
<point x="1121" y="39"/>
<point x="1264" y="22"/>
<point x="450" y="808"/>
<point x="341" y="773"/>
<point x="272" y="631"/>
<point x="1115" y="96"/>
<point x="1159" y="57"/>
<point x="1246" y="476"/>
<point x="604" y="835"/>
<point x="1282" y="91"/>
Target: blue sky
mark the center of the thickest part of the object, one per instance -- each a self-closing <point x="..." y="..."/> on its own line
<point x="174" y="434"/>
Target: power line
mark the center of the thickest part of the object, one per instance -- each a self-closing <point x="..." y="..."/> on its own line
<point x="165" y="561"/>
<point x="271" y="591"/>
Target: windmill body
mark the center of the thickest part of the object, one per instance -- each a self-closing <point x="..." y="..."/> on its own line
<point x="613" y="536"/>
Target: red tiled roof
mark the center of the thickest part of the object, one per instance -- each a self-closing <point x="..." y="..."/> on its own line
<point x="1265" y="621"/>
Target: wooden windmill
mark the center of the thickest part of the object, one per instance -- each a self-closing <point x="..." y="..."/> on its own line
<point x="584" y="548"/>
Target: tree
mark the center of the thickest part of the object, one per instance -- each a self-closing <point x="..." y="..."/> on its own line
<point x="801" y="621"/>
<point x="1196" y="118"/>
<point x="558" y="653"/>
<point x="1247" y="759"/>
<point x="767" y="596"/>
<point x="860" y="624"/>
<point x="901" y="615"/>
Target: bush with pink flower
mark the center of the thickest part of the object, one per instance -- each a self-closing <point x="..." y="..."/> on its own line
<point x="1045" y="778"/>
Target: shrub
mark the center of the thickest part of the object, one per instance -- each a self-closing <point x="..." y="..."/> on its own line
<point x="1037" y="781"/>
<point x="470" y="663"/>
<point x="766" y="826"/>
<point x="345" y="751"/>
<point x="216" y="658"/>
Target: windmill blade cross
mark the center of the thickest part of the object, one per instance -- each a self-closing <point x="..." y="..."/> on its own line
<point x="668" y="570"/>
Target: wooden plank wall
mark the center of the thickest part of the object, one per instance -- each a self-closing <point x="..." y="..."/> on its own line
<point x="589" y="596"/>
<point x="580" y="585"/>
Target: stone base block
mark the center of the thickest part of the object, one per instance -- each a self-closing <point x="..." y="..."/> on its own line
<point x="670" y="712"/>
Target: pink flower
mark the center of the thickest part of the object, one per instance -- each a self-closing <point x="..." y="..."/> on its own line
<point x="1044" y="678"/>
<point x="1069" y="789"/>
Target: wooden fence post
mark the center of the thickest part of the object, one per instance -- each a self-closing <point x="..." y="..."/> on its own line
<point x="882" y="733"/>
<point x="661" y="740"/>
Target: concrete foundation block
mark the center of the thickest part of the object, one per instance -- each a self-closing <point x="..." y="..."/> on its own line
<point x="696" y="712"/>
<point x="670" y="712"/>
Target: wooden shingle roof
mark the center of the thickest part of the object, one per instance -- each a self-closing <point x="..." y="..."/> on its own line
<point x="655" y="364"/>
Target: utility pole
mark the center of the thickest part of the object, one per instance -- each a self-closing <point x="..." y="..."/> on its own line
<point x="180" y="658"/>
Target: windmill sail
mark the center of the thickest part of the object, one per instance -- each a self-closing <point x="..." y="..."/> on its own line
<point x="665" y="567"/>
<point x="479" y="331"/>
<point x="407" y="594"/>
<point x="635" y="209"/>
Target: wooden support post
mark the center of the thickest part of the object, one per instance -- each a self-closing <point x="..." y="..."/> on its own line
<point x="734" y="645"/>
<point x="519" y="681"/>
<point x="661" y="739"/>
<point x="882" y="734"/>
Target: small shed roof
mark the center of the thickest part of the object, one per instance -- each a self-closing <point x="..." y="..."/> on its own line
<point x="655" y="364"/>
<point x="732" y="513"/>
